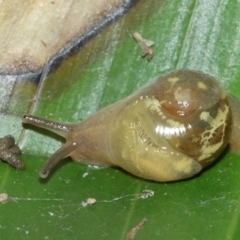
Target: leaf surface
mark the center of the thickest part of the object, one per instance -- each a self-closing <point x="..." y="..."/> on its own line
<point x="198" y="35"/>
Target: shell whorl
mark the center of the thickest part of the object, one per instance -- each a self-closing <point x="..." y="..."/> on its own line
<point x="195" y="114"/>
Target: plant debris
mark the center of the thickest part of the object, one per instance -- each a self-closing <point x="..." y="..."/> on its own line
<point x="145" y="45"/>
<point x="131" y="234"/>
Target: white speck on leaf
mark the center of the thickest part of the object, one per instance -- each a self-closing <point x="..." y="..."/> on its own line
<point x="89" y="201"/>
<point x="3" y="197"/>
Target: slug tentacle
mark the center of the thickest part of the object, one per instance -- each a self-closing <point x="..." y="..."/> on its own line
<point x="56" y="127"/>
<point x="63" y="152"/>
<point x="166" y="131"/>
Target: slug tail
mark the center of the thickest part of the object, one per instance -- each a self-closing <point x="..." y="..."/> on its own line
<point x="63" y="152"/>
<point x="235" y="133"/>
<point x="56" y="127"/>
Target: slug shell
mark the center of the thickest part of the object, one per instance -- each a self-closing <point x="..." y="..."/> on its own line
<point x="173" y="128"/>
<point x="169" y="130"/>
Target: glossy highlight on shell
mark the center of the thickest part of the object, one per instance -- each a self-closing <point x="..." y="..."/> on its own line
<point x="168" y="130"/>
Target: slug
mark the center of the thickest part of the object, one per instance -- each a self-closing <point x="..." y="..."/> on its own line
<point x="166" y="131"/>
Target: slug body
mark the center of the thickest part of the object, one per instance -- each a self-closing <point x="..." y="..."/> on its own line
<point x="166" y="131"/>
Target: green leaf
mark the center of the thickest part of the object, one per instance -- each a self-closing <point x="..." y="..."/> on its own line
<point x="200" y="35"/>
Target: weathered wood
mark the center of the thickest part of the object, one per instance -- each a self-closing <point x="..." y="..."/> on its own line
<point x="34" y="31"/>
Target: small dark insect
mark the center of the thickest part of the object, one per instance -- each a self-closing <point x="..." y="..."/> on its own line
<point x="9" y="152"/>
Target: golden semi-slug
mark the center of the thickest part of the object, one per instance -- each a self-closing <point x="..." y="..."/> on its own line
<point x="168" y="130"/>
